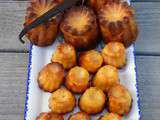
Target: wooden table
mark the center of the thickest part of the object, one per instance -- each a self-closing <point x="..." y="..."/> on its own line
<point x="14" y="59"/>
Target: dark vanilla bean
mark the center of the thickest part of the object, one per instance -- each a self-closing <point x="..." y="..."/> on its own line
<point x="51" y="13"/>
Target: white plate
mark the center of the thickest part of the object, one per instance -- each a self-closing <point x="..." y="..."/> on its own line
<point x="37" y="100"/>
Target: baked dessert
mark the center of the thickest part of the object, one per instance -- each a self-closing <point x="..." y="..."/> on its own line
<point x="92" y="101"/>
<point x="77" y="79"/>
<point x="51" y="77"/>
<point x="114" y="54"/>
<point x="91" y="60"/>
<point x="80" y="116"/>
<point x="44" y="34"/>
<point x="62" y="101"/>
<point x="98" y="4"/>
<point x="117" y="23"/>
<point x="120" y="100"/>
<point x="79" y="27"/>
<point x="49" y="116"/>
<point x="106" y="77"/>
<point x="65" y="54"/>
<point x="110" y="116"/>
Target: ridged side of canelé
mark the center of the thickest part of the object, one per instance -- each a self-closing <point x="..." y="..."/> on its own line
<point x="117" y="23"/>
<point x="44" y="34"/>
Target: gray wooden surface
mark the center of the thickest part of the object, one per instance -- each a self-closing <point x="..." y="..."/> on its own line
<point x="14" y="58"/>
<point x="13" y="74"/>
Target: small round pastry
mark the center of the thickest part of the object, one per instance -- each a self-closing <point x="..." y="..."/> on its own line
<point x="91" y="60"/>
<point x="51" y="77"/>
<point x="92" y="101"/>
<point x="79" y="116"/>
<point x="110" y="116"/>
<point x="117" y="23"/>
<point x="114" y="54"/>
<point x="120" y="100"/>
<point x="62" y="101"/>
<point x="49" y="116"/>
<point x="106" y="77"/>
<point x="79" y="27"/>
<point x="65" y="54"/>
<point x="77" y="79"/>
<point x="44" y="34"/>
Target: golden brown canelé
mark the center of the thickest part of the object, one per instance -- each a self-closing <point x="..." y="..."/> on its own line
<point x="106" y="77"/>
<point x="79" y="27"/>
<point x="98" y="4"/>
<point x="91" y="60"/>
<point x="49" y="116"/>
<point x="120" y="100"/>
<point x="51" y="77"/>
<point x="114" y="54"/>
<point x="110" y="116"/>
<point x="80" y="116"/>
<point x="117" y="23"/>
<point x="62" y="101"/>
<point x="65" y="54"/>
<point x="44" y="34"/>
<point x="77" y="79"/>
<point x="92" y="101"/>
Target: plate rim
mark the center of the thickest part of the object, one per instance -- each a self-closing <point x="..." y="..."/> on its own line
<point x="28" y="81"/>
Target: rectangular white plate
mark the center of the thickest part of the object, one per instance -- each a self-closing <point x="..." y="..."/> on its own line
<point x="37" y="100"/>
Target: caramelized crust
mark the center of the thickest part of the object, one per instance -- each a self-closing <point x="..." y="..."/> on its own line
<point x="117" y="23"/>
<point x="44" y="34"/>
<point x="106" y="77"/>
<point x="49" y="116"/>
<point x="92" y="101"/>
<point x="91" y="60"/>
<point x="79" y="116"/>
<point x="77" y="79"/>
<point x="120" y="100"/>
<point x="51" y="77"/>
<point x="79" y="27"/>
<point x="62" y="101"/>
<point x="110" y="116"/>
<point x="114" y="54"/>
<point x="65" y="54"/>
<point x="98" y="4"/>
